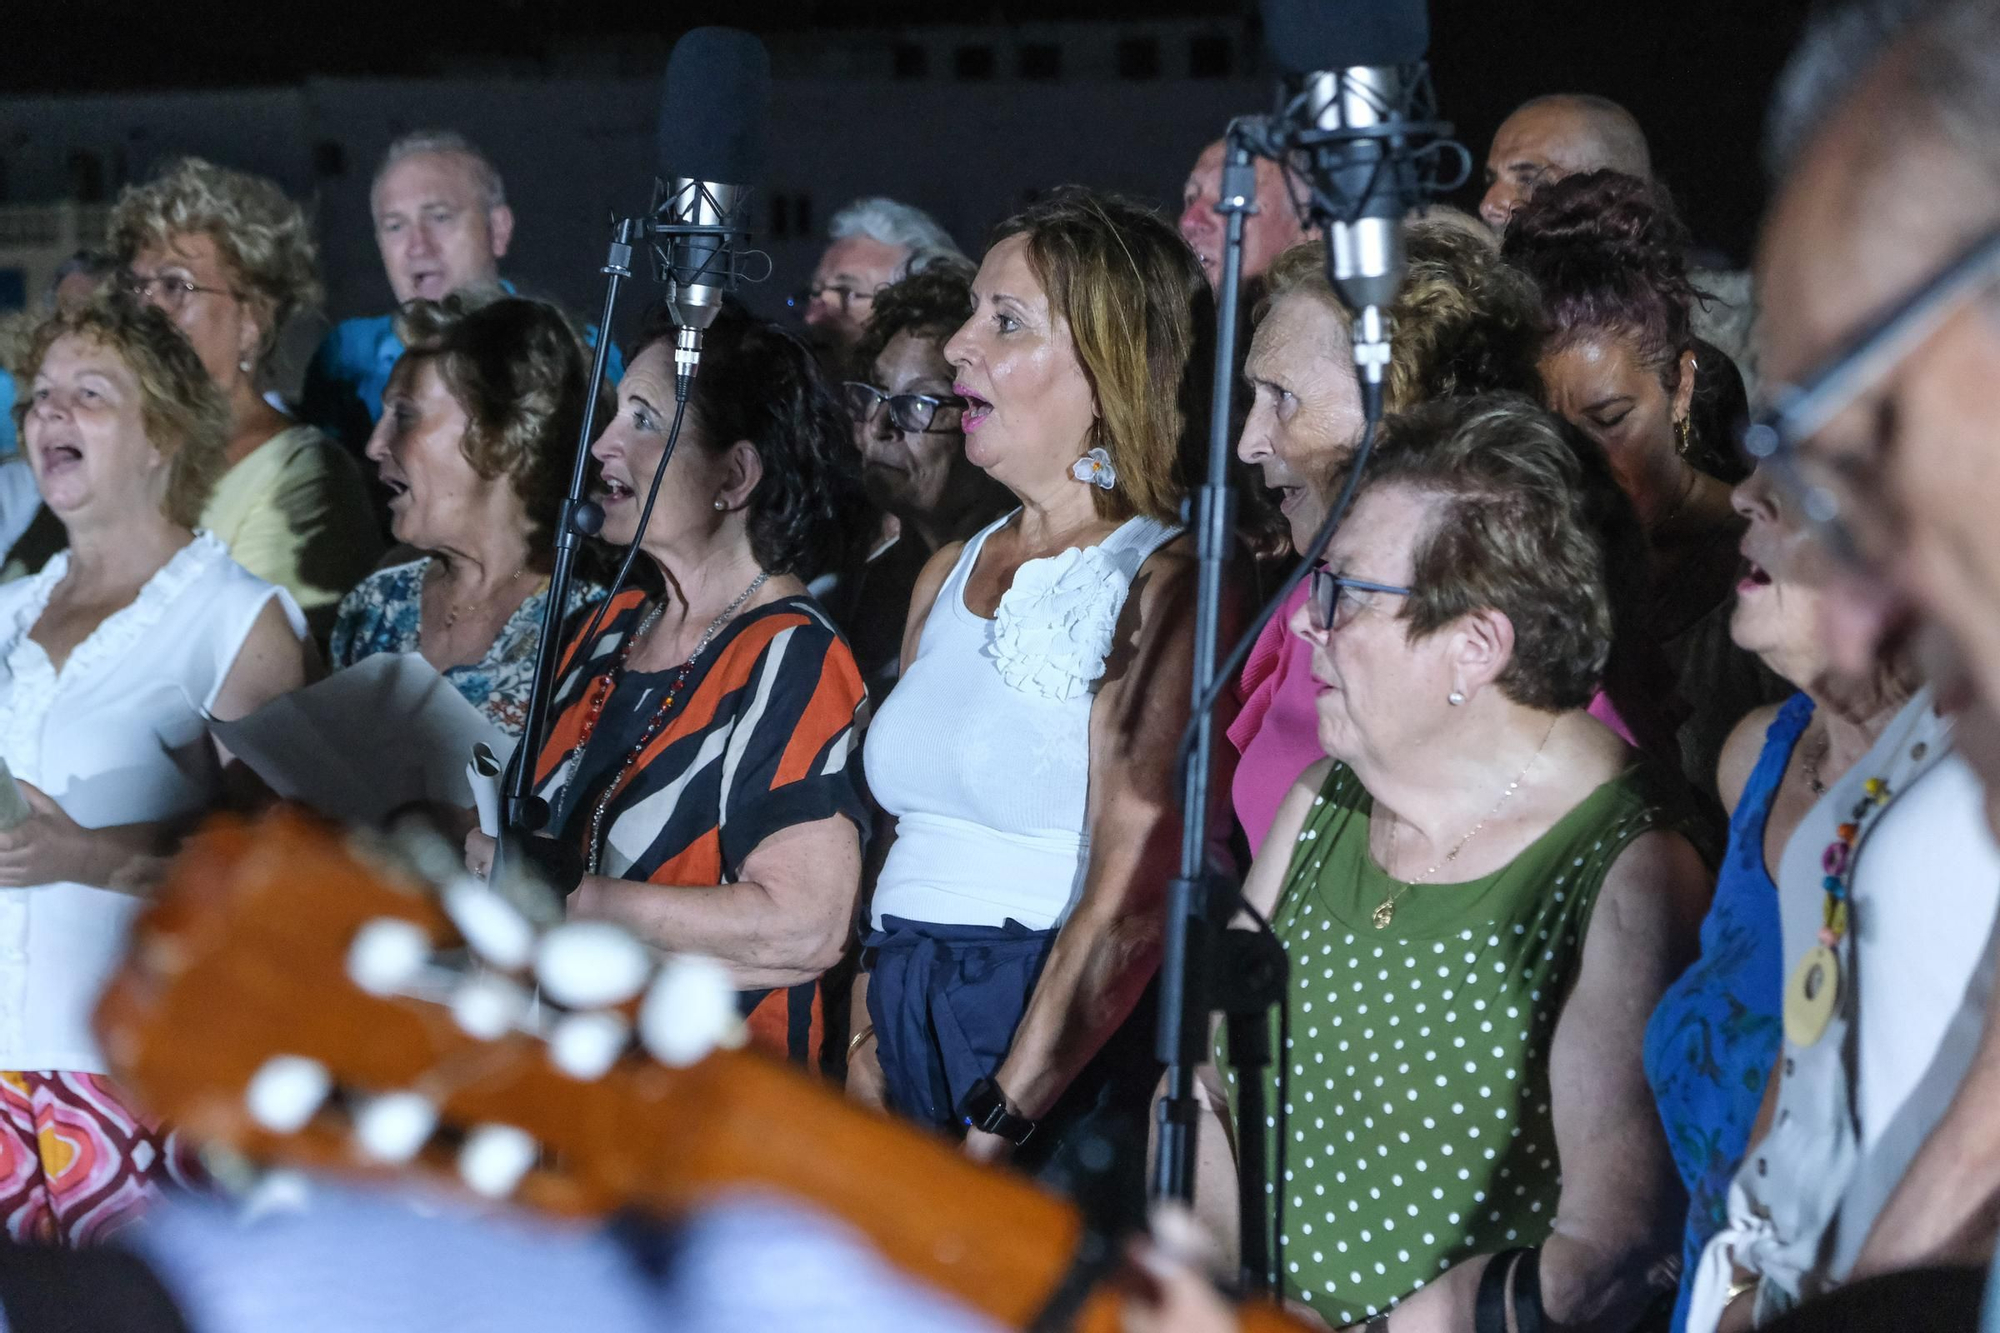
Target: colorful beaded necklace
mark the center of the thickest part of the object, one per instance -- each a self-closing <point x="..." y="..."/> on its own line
<point x="1814" y="991"/>
<point x="601" y="694"/>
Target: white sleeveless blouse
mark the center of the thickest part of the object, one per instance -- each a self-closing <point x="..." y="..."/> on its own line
<point x="982" y="753"/>
<point x="116" y="736"/>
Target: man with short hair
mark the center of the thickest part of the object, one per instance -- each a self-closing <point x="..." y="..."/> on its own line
<point x="1566" y="134"/>
<point x="442" y="224"/>
<point x="871" y="243"/>
<point x="1887" y="148"/>
<point x="1274" y="228"/>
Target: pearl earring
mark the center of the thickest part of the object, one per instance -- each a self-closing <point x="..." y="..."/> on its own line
<point x="244" y="365"/>
<point x="721" y="504"/>
<point x="1455" y="698"/>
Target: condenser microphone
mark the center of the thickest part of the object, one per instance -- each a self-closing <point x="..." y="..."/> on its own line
<point x="714" y="106"/>
<point x="1362" y="122"/>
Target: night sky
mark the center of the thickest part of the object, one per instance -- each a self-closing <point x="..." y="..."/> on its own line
<point x="1698" y="73"/>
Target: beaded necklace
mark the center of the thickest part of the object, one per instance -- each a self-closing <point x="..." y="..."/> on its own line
<point x="601" y="694"/>
<point x="1814" y="990"/>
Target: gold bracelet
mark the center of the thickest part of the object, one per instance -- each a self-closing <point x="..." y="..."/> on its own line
<point x="854" y="1044"/>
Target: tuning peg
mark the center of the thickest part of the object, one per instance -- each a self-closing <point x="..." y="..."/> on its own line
<point x="393" y="1126"/>
<point x="286" y="1092"/>
<point x="387" y="955"/>
<point x="690" y="1010"/>
<point x="494" y="928"/>
<point x="591" y="965"/>
<point x="494" y="1159"/>
<point x="585" y="1046"/>
<point x="488" y="1006"/>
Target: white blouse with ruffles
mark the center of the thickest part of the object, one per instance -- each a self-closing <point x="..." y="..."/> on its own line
<point x="115" y="737"/>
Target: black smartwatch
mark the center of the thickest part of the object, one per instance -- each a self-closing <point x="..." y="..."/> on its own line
<point x="985" y="1108"/>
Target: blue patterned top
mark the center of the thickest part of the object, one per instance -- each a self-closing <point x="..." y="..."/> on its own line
<point x="1712" y="1042"/>
<point x="384" y="614"/>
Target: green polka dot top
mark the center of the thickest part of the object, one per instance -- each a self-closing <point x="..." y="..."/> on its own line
<point x="1416" y="1126"/>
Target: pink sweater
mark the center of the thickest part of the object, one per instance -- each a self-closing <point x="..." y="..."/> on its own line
<point x="1277" y="730"/>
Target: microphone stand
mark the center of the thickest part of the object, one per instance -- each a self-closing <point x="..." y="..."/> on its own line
<point x="1206" y="966"/>
<point x="580" y="517"/>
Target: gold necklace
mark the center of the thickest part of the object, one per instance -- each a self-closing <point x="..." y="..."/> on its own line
<point x="1386" y="911"/>
<point x="452" y="613"/>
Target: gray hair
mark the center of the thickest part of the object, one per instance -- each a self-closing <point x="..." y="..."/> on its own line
<point x="897" y="224"/>
<point x="1620" y="140"/>
<point x="1946" y="82"/>
<point x="419" y="142"/>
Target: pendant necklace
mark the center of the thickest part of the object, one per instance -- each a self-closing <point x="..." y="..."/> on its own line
<point x="1813" y="992"/>
<point x="1385" y="912"/>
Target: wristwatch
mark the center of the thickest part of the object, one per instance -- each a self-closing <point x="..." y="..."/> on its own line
<point x="985" y="1108"/>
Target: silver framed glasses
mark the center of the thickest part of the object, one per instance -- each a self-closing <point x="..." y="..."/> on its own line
<point x="1843" y="495"/>
<point x="915" y="413"/>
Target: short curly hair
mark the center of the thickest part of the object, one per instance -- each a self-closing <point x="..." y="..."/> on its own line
<point x="1524" y="522"/>
<point x="759" y="383"/>
<point x="260" y="234"/>
<point x="1464" y="321"/>
<point x="932" y="303"/>
<point x="1142" y="317"/>
<point x="185" y="414"/>
<point x="516" y="366"/>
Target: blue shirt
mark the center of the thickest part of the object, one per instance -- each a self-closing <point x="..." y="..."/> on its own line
<point x="344" y="383"/>
<point x="1713" y="1039"/>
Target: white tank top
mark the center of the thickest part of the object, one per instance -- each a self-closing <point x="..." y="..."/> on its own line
<point x="983" y="751"/>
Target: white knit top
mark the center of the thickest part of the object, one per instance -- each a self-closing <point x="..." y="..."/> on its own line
<point x="983" y="751"/>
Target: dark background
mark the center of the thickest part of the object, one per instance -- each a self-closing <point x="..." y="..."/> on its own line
<point x="1697" y="73"/>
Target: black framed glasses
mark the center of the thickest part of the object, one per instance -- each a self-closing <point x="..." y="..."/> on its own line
<point x="1332" y="600"/>
<point x="174" y="289"/>
<point x="916" y="413"/>
<point x="1843" y="496"/>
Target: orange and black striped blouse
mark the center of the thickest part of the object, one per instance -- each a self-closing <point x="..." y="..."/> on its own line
<point x="759" y="740"/>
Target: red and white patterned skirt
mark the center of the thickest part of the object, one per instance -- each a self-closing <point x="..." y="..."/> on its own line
<point x="77" y="1160"/>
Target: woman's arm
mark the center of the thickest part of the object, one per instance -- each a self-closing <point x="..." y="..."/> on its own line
<point x="923" y="595"/>
<point x="1622" y="1208"/>
<point x="784" y="922"/>
<point x="1740" y="754"/>
<point x="1109" y="948"/>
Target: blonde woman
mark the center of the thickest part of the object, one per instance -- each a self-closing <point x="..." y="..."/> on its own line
<point x="231" y="261"/>
<point x="109" y="659"/>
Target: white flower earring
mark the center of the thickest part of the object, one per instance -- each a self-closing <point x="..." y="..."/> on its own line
<point x="1096" y="469"/>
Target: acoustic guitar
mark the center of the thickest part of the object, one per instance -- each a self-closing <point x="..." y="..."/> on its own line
<point x="305" y="997"/>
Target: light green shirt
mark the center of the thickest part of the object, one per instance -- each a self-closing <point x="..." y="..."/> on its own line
<point x="295" y="512"/>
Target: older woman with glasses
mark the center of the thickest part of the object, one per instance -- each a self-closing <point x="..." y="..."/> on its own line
<point x="907" y="428"/>
<point x="1481" y="891"/>
<point x="231" y="261"/>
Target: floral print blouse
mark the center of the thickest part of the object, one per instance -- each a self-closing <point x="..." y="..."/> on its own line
<point x="384" y="614"/>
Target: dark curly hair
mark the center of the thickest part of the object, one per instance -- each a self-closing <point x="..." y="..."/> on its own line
<point x="516" y="366"/>
<point x="759" y="383"/>
<point x="932" y="302"/>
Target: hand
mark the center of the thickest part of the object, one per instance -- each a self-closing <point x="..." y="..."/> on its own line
<point x="983" y="1147"/>
<point x="478" y="853"/>
<point x="1167" y="1289"/>
<point x="48" y="847"/>
<point x="865" y="1083"/>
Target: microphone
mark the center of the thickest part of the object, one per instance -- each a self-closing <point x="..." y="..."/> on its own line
<point x="1364" y="121"/>
<point x="714" y="105"/>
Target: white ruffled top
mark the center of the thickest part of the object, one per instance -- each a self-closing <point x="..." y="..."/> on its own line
<point x="983" y="750"/>
<point x="116" y="736"/>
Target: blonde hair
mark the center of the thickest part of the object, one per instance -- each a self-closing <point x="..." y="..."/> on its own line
<point x="1463" y="322"/>
<point x="185" y="414"/>
<point x="1139" y="314"/>
<point x="260" y="234"/>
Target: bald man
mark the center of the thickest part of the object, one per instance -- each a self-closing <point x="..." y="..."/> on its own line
<point x="1267" y="233"/>
<point x="1562" y="134"/>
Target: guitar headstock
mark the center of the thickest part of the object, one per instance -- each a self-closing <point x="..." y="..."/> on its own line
<point x="306" y="998"/>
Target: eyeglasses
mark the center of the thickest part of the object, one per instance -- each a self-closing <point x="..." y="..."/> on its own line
<point x="1843" y="496"/>
<point x="915" y="413"/>
<point x="174" y="290"/>
<point x="1332" y="600"/>
<point x="841" y="298"/>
